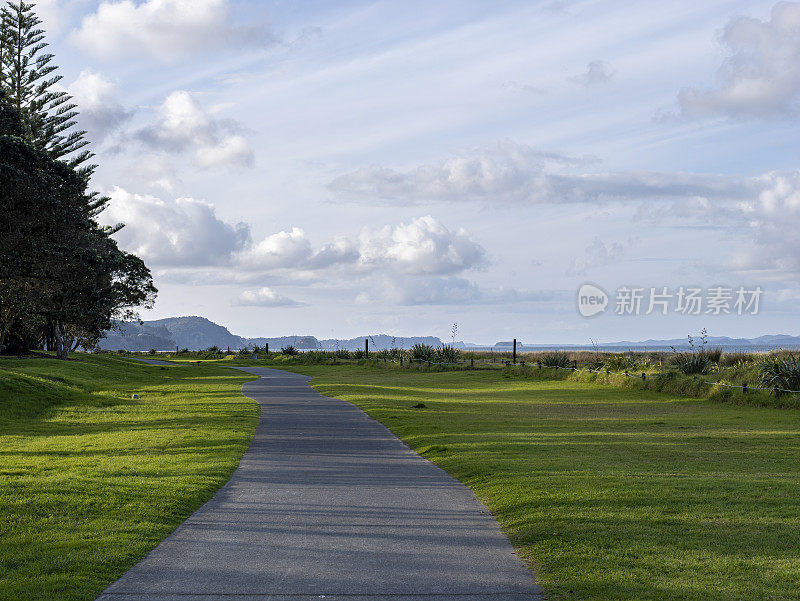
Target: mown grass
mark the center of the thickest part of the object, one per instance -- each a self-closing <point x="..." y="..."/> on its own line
<point x="610" y="493"/>
<point x="91" y="480"/>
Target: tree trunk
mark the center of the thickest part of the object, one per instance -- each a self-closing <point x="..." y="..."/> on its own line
<point x="63" y="341"/>
<point x="4" y="330"/>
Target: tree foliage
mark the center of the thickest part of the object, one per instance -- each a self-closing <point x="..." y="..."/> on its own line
<point x="28" y="78"/>
<point x="63" y="280"/>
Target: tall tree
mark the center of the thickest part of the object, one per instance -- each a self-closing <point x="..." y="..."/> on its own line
<point x="61" y="273"/>
<point x="27" y="76"/>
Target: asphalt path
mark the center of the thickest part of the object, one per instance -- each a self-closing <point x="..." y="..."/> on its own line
<point x="327" y="503"/>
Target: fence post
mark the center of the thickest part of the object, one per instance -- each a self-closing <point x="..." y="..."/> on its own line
<point x="514" y="352"/>
<point x="401" y="360"/>
<point x="626" y="372"/>
<point x="366" y="348"/>
<point x="539" y="364"/>
<point x="472" y="363"/>
<point x="266" y="348"/>
<point x="744" y="388"/>
<point x="644" y="377"/>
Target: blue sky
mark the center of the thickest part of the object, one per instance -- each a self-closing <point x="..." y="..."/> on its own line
<point x="342" y="168"/>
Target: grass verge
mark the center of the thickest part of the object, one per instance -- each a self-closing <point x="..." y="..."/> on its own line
<point x="610" y="493"/>
<point x="91" y="480"/>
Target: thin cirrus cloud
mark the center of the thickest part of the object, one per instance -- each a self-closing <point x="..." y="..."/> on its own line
<point x="510" y="172"/>
<point x="183" y="126"/>
<point x="760" y="76"/>
<point x="164" y="29"/>
<point x="449" y="290"/>
<point x="598" y="254"/>
<point x="264" y="297"/>
<point x="597" y="72"/>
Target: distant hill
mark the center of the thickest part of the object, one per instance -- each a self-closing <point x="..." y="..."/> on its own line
<point x="135" y="337"/>
<point x="192" y="332"/>
<point x="197" y="333"/>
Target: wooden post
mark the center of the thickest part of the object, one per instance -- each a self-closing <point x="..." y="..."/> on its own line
<point x="514" y="352"/>
<point x="266" y="348"/>
<point x="744" y="388"/>
<point x="401" y="360"/>
<point x="366" y="348"/>
<point x="472" y="363"/>
<point x="644" y="377"/>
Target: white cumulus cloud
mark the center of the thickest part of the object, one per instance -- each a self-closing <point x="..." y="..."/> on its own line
<point x="100" y="111"/>
<point x="164" y="29"/>
<point x="179" y="232"/>
<point x="264" y="297"/>
<point x="424" y="246"/>
<point x="761" y="74"/>
<point x="773" y="222"/>
<point x="182" y="125"/>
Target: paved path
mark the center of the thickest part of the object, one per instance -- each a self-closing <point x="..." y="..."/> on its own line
<point x="327" y="503"/>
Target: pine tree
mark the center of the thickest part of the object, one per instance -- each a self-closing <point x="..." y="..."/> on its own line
<point x="27" y="76"/>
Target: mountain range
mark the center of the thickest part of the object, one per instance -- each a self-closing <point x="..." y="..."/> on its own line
<point x="197" y="333"/>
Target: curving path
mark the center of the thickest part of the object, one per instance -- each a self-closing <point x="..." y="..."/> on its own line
<point x="327" y="503"/>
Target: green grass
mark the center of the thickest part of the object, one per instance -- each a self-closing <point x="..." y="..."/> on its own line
<point x="91" y="480"/>
<point x="610" y="493"/>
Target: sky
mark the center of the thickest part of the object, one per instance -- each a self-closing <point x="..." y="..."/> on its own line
<point x="348" y="168"/>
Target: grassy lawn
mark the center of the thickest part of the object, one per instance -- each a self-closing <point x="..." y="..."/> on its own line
<point x="609" y="493"/>
<point x="90" y="480"/>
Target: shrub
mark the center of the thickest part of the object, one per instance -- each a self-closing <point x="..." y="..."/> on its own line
<point x="692" y="363"/>
<point x="781" y="373"/>
<point x="621" y="362"/>
<point x="359" y="354"/>
<point x="213" y="349"/>
<point x="448" y="354"/>
<point x="289" y="350"/>
<point x="557" y="359"/>
<point x="736" y="359"/>
<point x="423" y="352"/>
<point x="714" y="354"/>
<point x="343" y="354"/>
<point x="152" y="351"/>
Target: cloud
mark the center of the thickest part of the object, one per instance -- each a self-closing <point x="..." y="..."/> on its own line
<point x="509" y="172"/>
<point x="100" y="111"/>
<point x="164" y="29"/>
<point x="180" y="232"/>
<point x="773" y="220"/>
<point x="450" y="290"/>
<point x="597" y="72"/>
<point x="423" y="246"/>
<point x="264" y="297"/>
<point x="598" y="254"/>
<point x="761" y="74"/>
<point x="183" y="126"/>
<point x="281" y="250"/>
